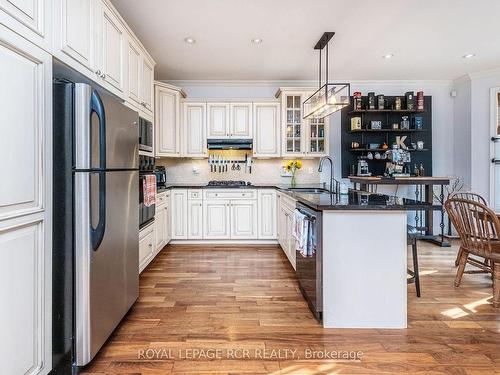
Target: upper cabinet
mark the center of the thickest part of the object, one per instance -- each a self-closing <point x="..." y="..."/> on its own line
<point x="167" y="120"/>
<point x="229" y="120"/>
<point x="194" y="129"/>
<point x="32" y="19"/>
<point x="266" y="132"/>
<point x="301" y="137"/>
<point x="92" y="38"/>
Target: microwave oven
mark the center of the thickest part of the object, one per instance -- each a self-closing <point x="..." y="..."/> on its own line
<point x="145" y="135"/>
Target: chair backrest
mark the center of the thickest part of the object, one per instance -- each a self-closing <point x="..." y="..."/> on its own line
<point x="470" y="196"/>
<point x="477" y="225"/>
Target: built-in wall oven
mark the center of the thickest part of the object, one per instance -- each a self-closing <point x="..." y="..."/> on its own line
<point x="309" y="270"/>
<point x="146" y="168"/>
<point x="145" y="135"/>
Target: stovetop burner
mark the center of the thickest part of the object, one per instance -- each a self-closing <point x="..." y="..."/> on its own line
<point x="228" y="183"/>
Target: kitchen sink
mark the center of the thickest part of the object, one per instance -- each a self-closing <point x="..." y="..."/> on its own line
<point x="310" y="190"/>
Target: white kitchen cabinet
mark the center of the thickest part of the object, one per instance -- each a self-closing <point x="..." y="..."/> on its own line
<point x="74" y="34"/>
<point x="168" y="218"/>
<point x="160" y="226"/>
<point x="147" y="83"/>
<point x="290" y="240"/>
<point x="134" y="69"/>
<point x="195" y="219"/>
<point x="167" y="120"/>
<point x="146" y="246"/>
<point x="243" y="219"/>
<point x="240" y="120"/>
<point x="111" y="46"/>
<point x="194" y="129"/>
<point x="31" y="19"/>
<point x="218" y="120"/>
<point x="216" y="223"/>
<point x="267" y="214"/>
<point x="266" y="118"/>
<point x="179" y="214"/>
<point x="25" y="208"/>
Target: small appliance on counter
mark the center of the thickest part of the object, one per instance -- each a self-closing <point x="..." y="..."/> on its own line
<point x="397" y="166"/>
<point x="161" y="176"/>
<point x="363" y="167"/>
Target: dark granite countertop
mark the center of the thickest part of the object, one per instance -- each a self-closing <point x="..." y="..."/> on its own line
<point x="354" y="200"/>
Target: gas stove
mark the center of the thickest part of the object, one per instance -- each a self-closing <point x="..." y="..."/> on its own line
<point x="228" y="183"/>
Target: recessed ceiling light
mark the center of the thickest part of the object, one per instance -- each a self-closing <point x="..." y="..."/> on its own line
<point x="388" y="56"/>
<point x="469" y="55"/>
<point x="257" y="40"/>
<point x="190" y="40"/>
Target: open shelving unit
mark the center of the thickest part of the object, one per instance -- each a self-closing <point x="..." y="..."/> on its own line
<point x="386" y="134"/>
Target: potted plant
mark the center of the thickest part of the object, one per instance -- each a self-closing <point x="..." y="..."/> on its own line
<point x="291" y="167"/>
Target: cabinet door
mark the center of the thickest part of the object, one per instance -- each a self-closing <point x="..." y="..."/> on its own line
<point x="146" y="245"/>
<point x="167" y="110"/>
<point x="147" y="83"/>
<point x="218" y="120"/>
<point x="112" y="47"/>
<point x="216" y="224"/>
<point x="293" y="132"/>
<point x="240" y="120"/>
<point x="283" y="238"/>
<point x="179" y="214"/>
<point x="194" y="134"/>
<point x="168" y="227"/>
<point x="267" y="219"/>
<point x="160" y="228"/>
<point x="134" y="68"/>
<point x="195" y="219"/>
<point x="74" y="33"/>
<point x="266" y="129"/>
<point x="243" y="219"/>
<point x="290" y="246"/>
<point x="21" y="320"/>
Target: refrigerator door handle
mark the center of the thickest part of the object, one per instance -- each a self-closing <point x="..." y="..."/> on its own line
<point x="97" y="233"/>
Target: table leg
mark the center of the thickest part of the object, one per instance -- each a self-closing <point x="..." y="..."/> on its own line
<point x="429" y="198"/>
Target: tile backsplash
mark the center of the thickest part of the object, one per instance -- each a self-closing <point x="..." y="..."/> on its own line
<point x="182" y="170"/>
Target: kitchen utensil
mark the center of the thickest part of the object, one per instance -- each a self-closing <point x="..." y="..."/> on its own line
<point x="377" y="155"/>
<point x="420" y="145"/>
<point x="369" y="156"/>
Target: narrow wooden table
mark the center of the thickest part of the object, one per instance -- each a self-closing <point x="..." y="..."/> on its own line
<point x="427" y="195"/>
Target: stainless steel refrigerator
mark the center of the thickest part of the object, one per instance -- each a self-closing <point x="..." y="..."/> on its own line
<point x="96" y="219"/>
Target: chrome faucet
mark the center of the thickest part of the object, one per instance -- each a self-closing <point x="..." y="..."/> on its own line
<point x="333" y="181"/>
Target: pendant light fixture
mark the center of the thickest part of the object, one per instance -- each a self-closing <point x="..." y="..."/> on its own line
<point x="331" y="97"/>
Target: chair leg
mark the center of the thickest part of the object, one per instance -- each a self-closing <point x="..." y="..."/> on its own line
<point x="415" y="266"/>
<point x="461" y="267"/>
<point x="459" y="254"/>
<point x="496" y="283"/>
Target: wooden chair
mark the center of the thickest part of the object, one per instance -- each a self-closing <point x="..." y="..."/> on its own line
<point x="473" y="262"/>
<point x="478" y="227"/>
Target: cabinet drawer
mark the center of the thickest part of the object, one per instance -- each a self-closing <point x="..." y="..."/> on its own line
<point x="287" y="202"/>
<point x="162" y="198"/>
<point x="230" y="194"/>
<point x="195" y="194"/>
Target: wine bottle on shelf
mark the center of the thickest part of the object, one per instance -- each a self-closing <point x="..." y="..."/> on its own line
<point x="416" y="171"/>
<point x="421" y="170"/>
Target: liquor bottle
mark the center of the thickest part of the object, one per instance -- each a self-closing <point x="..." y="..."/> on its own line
<point x="416" y="171"/>
<point x="421" y="170"/>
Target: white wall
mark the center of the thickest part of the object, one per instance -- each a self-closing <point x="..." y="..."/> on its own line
<point x="462" y="131"/>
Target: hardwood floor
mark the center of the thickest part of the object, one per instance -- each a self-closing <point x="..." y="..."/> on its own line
<point x="228" y="301"/>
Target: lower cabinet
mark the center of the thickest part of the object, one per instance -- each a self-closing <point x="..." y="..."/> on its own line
<point x="216" y="224"/>
<point x="162" y="220"/>
<point x="243" y="219"/>
<point x="195" y="219"/>
<point x="267" y="214"/>
<point x="146" y="246"/>
<point x="285" y="228"/>
<point x="179" y="214"/>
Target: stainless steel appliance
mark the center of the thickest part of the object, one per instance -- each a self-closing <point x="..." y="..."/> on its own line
<point x="229" y="144"/>
<point x="161" y="176"/>
<point x="309" y="269"/>
<point x="95" y="216"/>
<point x="145" y="135"/>
<point x="146" y="167"/>
<point x="228" y="183"/>
<point x="363" y="168"/>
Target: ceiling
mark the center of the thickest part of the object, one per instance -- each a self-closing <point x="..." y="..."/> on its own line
<point x="428" y="38"/>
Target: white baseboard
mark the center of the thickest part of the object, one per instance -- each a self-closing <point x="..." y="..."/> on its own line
<point x="224" y="242"/>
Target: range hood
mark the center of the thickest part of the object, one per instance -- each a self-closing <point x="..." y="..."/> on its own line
<point x="230" y="144"/>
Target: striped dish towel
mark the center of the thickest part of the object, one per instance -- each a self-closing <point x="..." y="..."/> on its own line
<point x="149" y="189"/>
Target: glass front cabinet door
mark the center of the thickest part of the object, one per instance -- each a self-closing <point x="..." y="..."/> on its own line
<point x="301" y="137"/>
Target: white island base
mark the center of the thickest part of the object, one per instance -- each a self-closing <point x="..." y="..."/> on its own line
<point x="364" y="269"/>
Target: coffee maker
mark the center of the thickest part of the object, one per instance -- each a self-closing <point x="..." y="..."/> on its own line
<point x="363" y="167"/>
<point x="161" y="176"/>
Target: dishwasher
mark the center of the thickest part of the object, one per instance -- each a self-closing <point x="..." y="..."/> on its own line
<point x="309" y="269"/>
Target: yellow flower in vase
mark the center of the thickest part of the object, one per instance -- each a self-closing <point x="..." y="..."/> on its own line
<point x="292" y="166"/>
